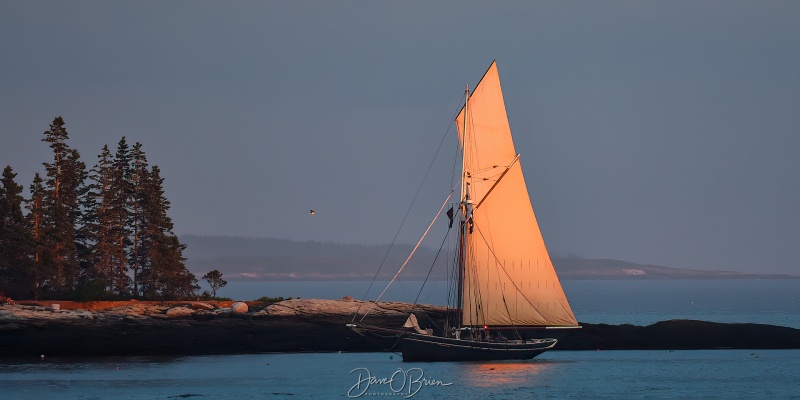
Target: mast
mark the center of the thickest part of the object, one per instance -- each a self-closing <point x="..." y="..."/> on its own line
<point x="463" y="224"/>
<point x="464" y="146"/>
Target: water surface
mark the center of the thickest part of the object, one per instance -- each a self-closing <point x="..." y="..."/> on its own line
<point x="638" y="302"/>
<point x="729" y="374"/>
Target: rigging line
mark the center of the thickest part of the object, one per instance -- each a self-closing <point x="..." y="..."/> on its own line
<point x="458" y="145"/>
<point x="475" y="310"/>
<point x="479" y="296"/>
<point x="492" y="178"/>
<point x="503" y="294"/>
<point x="488" y="192"/>
<point x="429" y="274"/>
<point x="414" y="200"/>
<point x="484" y="169"/>
<point x="409" y="256"/>
<point x="391" y="349"/>
<point x="507" y="275"/>
<point x="497" y="262"/>
<point x="455" y="163"/>
<point x="432" y="265"/>
<point x="452" y="286"/>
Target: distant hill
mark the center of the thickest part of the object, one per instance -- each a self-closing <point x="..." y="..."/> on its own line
<point x="586" y="268"/>
<point x="275" y="259"/>
<point x="240" y="258"/>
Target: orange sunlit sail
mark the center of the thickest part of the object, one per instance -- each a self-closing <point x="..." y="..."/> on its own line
<point x="509" y="278"/>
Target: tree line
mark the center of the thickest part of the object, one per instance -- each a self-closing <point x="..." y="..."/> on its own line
<point x="90" y="234"/>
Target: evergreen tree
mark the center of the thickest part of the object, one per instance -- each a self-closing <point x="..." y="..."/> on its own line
<point x="61" y="205"/>
<point x="16" y="244"/>
<point x="164" y="272"/>
<point x="77" y="217"/>
<point x="97" y="226"/>
<point x="138" y="180"/>
<point x="119" y="217"/>
<point x="85" y="232"/>
<point x="41" y="269"/>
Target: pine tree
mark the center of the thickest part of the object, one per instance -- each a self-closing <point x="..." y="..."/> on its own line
<point x="79" y="176"/>
<point x="16" y="243"/>
<point x="41" y="269"/>
<point x="119" y="214"/>
<point x="97" y="226"/>
<point x="61" y="205"/>
<point x="138" y="180"/>
<point x="164" y="272"/>
<point x="86" y="232"/>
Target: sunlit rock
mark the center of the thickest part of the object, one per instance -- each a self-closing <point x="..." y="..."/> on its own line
<point x="239" y="308"/>
<point x="202" y="306"/>
<point x="179" y="312"/>
<point x="312" y="307"/>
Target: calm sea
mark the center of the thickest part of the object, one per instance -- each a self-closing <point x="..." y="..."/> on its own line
<point x="643" y="302"/>
<point x="717" y="374"/>
<point x="706" y="374"/>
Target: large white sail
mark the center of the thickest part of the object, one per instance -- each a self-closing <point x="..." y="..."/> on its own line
<point x="509" y="278"/>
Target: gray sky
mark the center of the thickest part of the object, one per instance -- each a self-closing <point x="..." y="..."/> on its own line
<point x="658" y="132"/>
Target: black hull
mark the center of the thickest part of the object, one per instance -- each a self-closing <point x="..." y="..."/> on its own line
<point x="431" y="348"/>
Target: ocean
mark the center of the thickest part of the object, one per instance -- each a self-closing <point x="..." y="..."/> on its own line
<point x="698" y="374"/>
<point x="637" y="302"/>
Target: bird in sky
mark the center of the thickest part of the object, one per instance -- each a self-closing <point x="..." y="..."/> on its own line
<point x="313" y="212"/>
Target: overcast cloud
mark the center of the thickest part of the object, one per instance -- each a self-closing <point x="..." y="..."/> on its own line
<point x="657" y="132"/>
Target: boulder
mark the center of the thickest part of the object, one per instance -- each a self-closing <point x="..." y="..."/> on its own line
<point x="239" y="308"/>
<point x="179" y="312"/>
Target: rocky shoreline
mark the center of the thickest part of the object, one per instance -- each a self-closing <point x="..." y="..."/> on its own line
<point x="304" y="325"/>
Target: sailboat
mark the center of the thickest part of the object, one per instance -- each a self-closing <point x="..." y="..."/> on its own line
<point x="508" y="292"/>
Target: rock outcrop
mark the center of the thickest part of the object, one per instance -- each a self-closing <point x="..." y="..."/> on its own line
<point x="344" y="308"/>
<point x="142" y="328"/>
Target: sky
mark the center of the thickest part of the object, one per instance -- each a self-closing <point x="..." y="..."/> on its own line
<point x="653" y="132"/>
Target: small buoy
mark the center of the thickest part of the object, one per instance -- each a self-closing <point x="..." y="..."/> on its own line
<point x="42" y="357"/>
<point x="391" y="357"/>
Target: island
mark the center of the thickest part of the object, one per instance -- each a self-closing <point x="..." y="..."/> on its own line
<point x="66" y="329"/>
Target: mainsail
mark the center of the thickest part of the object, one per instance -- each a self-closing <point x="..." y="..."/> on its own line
<point x="508" y="277"/>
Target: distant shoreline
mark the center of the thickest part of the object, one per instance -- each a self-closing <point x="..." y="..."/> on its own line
<point x="282" y="259"/>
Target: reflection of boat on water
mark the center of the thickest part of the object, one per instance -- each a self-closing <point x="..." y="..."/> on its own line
<point x="488" y="374"/>
<point x="506" y="289"/>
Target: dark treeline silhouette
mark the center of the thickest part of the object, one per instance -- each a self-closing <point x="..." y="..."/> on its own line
<point x="102" y="233"/>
